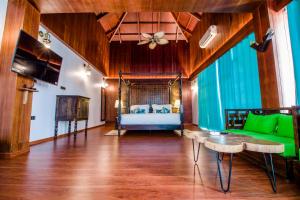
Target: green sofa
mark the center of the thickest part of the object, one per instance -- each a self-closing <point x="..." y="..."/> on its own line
<point x="272" y="127"/>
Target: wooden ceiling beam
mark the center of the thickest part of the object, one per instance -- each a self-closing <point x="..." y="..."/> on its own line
<point x="158" y="21"/>
<point x="116" y="28"/>
<point x="130" y="34"/>
<point x="88" y="6"/>
<point x="120" y="36"/>
<point x="197" y="16"/>
<point x="189" y="21"/>
<point x="179" y="26"/>
<point x="100" y="15"/>
<point x="145" y="22"/>
<point x="139" y="26"/>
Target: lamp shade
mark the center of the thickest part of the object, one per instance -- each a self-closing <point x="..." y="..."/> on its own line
<point x="117" y="104"/>
<point x="177" y="103"/>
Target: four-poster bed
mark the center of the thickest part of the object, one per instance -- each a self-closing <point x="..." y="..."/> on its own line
<point x="149" y="104"/>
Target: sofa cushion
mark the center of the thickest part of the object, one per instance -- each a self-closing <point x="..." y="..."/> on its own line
<point x="289" y="143"/>
<point x="285" y="126"/>
<point x="261" y="123"/>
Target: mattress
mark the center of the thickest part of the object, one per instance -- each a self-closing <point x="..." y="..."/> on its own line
<point x="151" y="119"/>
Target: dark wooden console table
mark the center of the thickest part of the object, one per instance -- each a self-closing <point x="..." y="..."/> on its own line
<point x="71" y="108"/>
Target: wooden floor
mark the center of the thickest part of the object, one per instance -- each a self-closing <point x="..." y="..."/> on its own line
<point x="157" y="165"/>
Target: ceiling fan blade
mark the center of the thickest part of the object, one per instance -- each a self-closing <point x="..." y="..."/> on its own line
<point x="143" y="42"/>
<point x="162" y="41"/>
<point x="146" y="35"/>
<point x="159" y="34"/>
<point x="152" y="45"/>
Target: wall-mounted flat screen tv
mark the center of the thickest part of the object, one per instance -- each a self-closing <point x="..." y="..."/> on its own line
<point x="32" y="59"/>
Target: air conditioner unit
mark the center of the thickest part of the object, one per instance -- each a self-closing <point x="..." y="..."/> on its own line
<point x="209" y="35"/>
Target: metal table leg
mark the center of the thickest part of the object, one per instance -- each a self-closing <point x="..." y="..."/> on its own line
<point x="220" y="173"/>
<point x="196" y="157"/>
<point x="270" y="170"/>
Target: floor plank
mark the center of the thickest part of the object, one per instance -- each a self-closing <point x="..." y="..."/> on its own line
<point x="139" y="165"/>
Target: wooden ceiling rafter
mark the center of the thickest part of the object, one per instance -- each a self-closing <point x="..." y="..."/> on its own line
<point x="100" y="15"/>
<point x="179" y="26"/>
<point x="188" y="23"/>
<point x="158" y="21"/>
<point x="196" y="15"/>
<point x="147" y="22"/>
<point x="171" y="34"/>
<point x="117" y="6"/>
<point x="138" y="22"/>
<point x="120" y="36"/>
<point x="118" y="26"/>
<point x="139" y="26"/>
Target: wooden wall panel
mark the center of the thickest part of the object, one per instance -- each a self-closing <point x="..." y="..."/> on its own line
<point x="15" y="116"/>
<point x="149" y="94"/>
<point x="129" y="57"/>
<point x="231" y="30"/>
<point x="266" y="61"/>
<point x="83" y="34"/>
<point x="112" y="96"/>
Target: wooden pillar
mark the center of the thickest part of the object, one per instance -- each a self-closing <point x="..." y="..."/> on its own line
<point x="266" y="60"/>
<point x="14" y="115"/>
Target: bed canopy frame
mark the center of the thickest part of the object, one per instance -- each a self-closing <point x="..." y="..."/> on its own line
<point x="130" y="80"/>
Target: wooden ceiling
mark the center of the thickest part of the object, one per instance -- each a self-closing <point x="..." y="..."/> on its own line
<point x="84" y="6"/>
<point x="129" y="26"/>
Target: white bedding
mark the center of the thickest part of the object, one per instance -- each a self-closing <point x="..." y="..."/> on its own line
<point x="150" y="119"/>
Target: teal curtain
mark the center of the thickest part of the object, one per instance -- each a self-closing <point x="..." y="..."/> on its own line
<point x="209" y="104"/>
<point x="294" y="26"/>
<point x="239" y="77"/>
<point x="232" y="81"/>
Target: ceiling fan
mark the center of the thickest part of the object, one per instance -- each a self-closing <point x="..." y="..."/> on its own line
<point x="155" y="39"/>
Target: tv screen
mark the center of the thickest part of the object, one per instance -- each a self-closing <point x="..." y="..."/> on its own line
<point x="32" y="59"/>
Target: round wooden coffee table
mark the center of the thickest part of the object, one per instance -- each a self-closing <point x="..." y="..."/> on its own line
<point x="232" y="143"/>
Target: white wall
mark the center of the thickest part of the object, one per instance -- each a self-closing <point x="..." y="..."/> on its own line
<point x="195" y="109"/>
<point x="3" y="8"/>
<point x="72" y="77"/>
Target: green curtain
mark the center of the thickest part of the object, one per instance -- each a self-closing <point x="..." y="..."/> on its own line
<point x="294" y="26"/>
<point x="232" y="81"/>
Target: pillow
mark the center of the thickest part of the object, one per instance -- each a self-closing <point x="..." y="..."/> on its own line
<point x="141" y="107"/>
<point x="261" y="123"/>
<point x="156" y="107"/>
<point x="138" y="111"/>
<point x="164" y="110"/>
<point x="285" y="126"/>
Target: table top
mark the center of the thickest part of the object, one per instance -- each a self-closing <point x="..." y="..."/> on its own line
<point x="233" y="143"/>
<point x="225" y="144"/>
<point x="263" y="146"/>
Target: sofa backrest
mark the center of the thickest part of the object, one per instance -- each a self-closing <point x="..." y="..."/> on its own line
<point x="236" y="118"/>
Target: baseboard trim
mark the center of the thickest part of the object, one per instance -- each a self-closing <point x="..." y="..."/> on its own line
<point x="36" y="142"/>
<point x="14" y="154"/>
